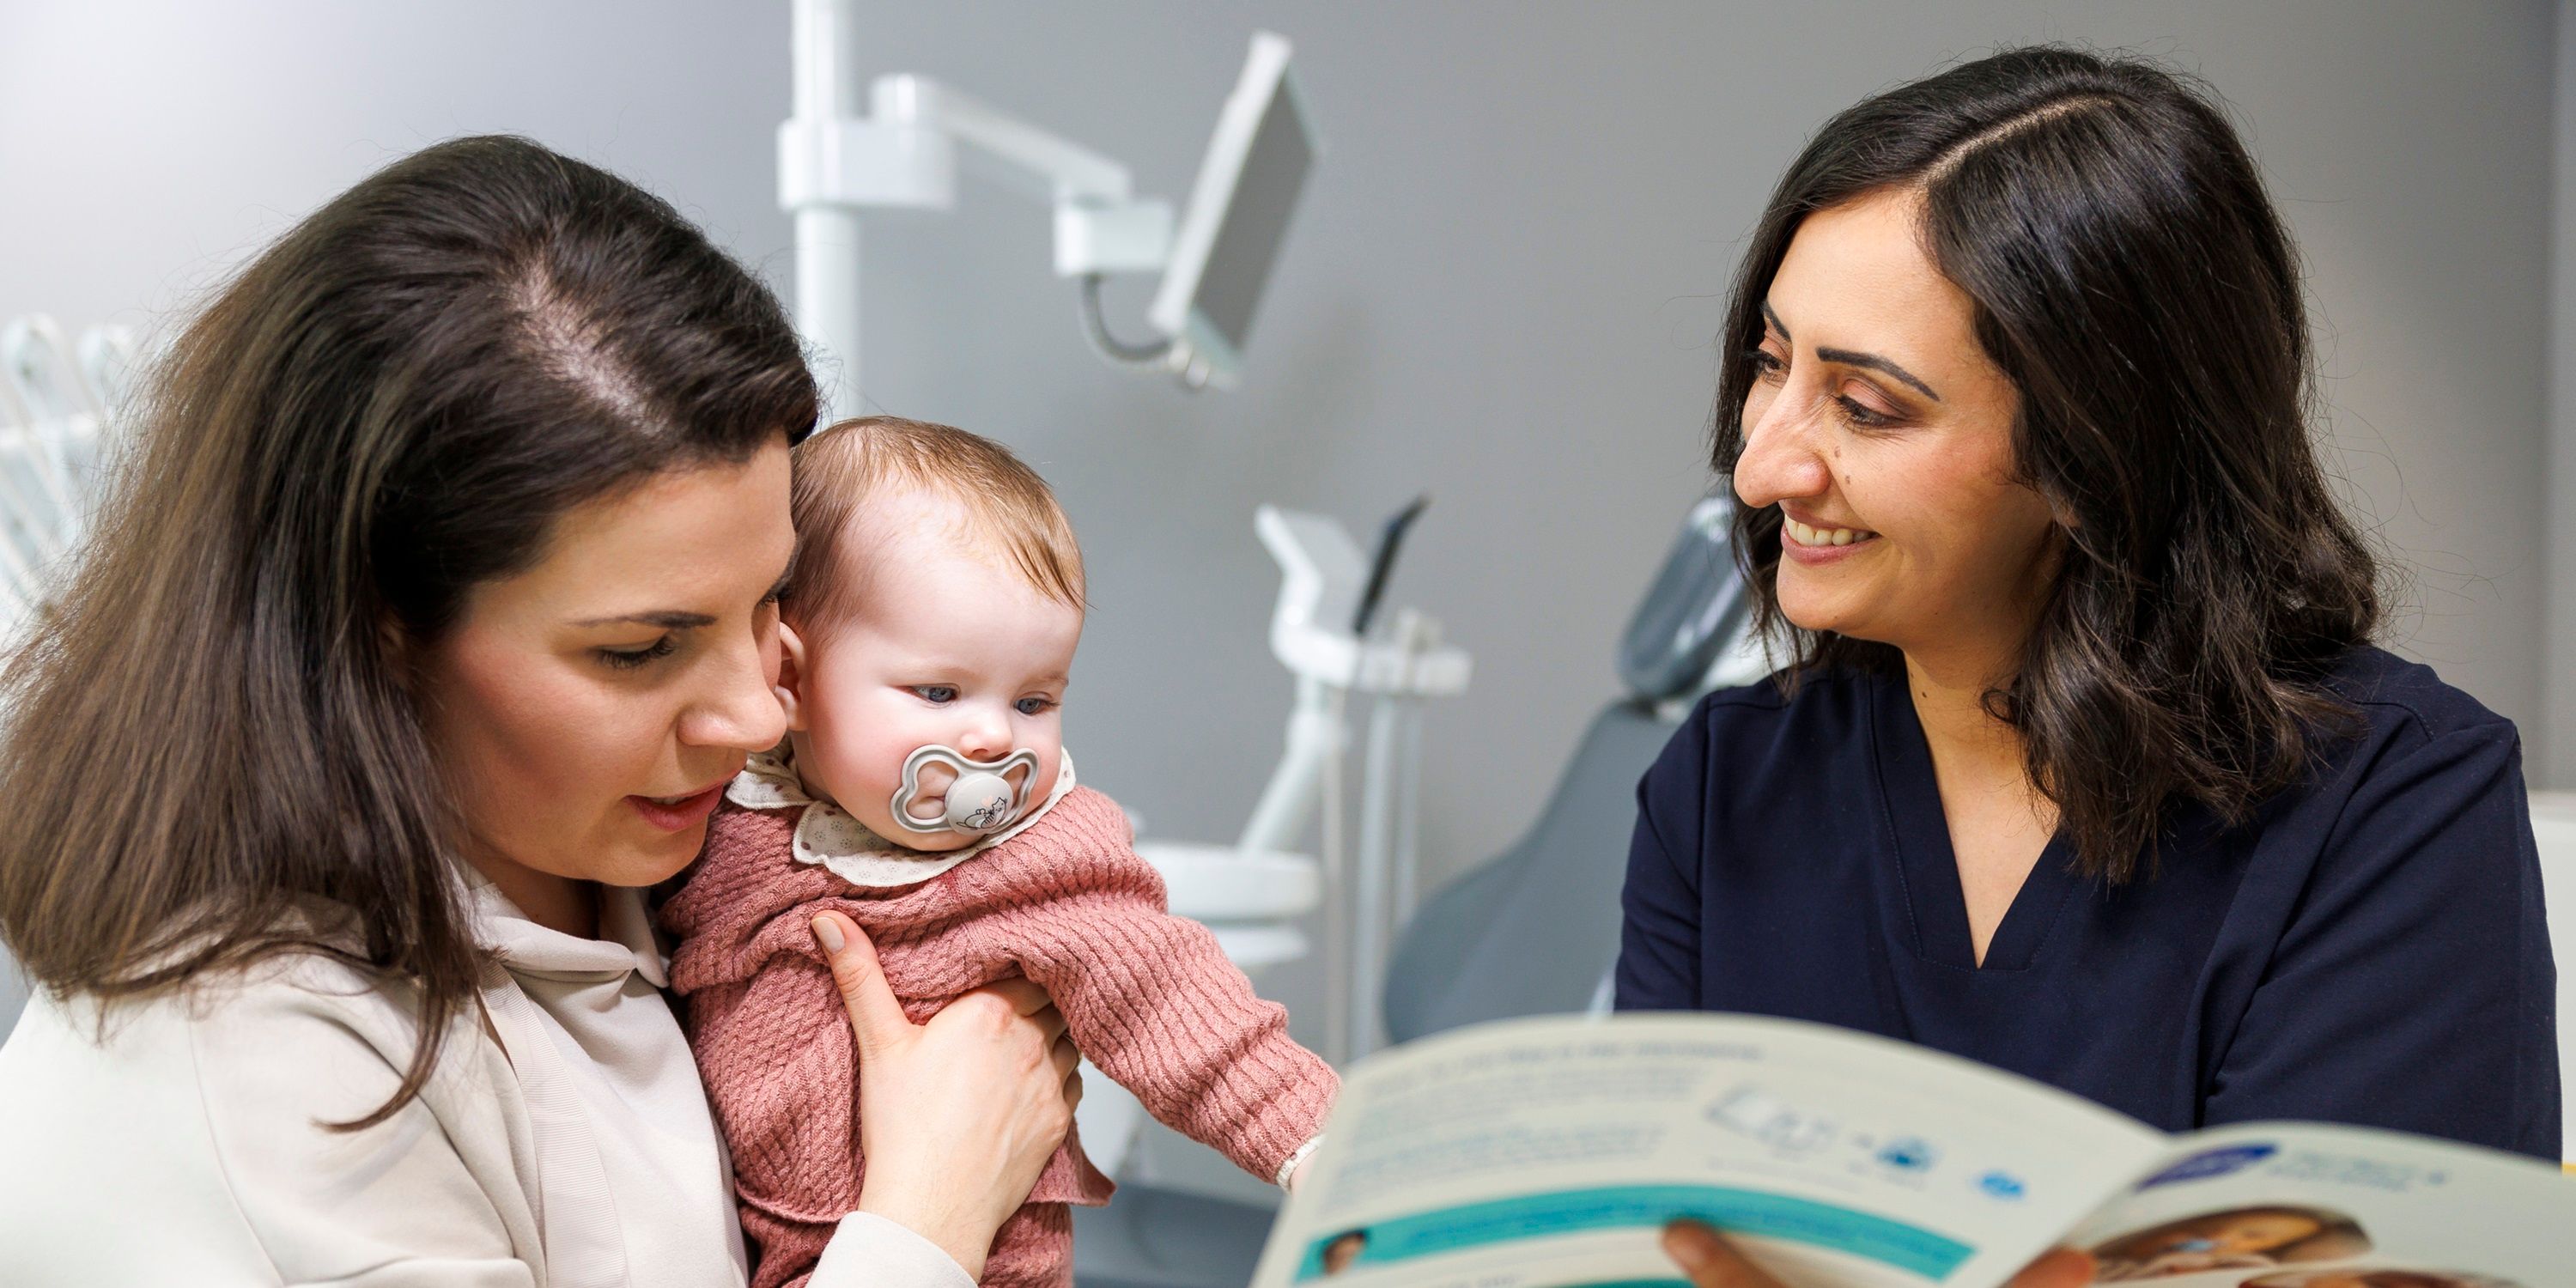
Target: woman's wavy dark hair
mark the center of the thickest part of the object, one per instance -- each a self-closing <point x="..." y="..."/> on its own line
<point x="211" y="731"/>
<point x="2132" y="280"/>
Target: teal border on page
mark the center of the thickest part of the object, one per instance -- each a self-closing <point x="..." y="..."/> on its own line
<point x="1753" y="1212"/>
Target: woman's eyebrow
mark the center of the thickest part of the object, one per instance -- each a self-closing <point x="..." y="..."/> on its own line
<point x="1854" y="358"/>
<point x="1851" y="358"/>
<point x="674" y="621"/>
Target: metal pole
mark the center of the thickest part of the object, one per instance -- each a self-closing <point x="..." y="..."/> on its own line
<point x="827" y="88"/>
<point x="1408" y="815"/>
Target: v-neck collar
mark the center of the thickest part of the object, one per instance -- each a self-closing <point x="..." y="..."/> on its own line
<point x="1928" y="870"/>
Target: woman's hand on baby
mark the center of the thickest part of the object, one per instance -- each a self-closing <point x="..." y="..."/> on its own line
<point x="957" y="1116"/>
<point x="1710" y="1262"/>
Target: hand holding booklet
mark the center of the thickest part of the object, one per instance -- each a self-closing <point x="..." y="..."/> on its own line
<point x="1550" y="1153"/>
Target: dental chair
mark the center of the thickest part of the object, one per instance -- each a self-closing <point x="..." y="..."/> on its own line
<point x="1533" y="931"/>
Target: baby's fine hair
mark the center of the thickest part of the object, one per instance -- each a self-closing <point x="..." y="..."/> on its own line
<point x="1010" y="511"/>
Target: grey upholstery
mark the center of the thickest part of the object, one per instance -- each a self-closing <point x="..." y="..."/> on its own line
<point x="1148" y="1238"/>
<point x="1534" y="931"/>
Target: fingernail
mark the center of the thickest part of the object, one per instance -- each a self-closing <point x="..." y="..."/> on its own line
<point x="829" y="932"/>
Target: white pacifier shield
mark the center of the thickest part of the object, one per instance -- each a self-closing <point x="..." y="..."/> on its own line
<point x="981" y="802"/>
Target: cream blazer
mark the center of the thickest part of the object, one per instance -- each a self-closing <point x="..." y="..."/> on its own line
<point x="188" y="1147"/>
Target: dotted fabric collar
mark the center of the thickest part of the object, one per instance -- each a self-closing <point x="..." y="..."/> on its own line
<point x="828" y="837"/>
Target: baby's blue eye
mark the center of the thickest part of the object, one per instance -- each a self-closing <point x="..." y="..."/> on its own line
<point x="1036" y="706"/>
<point x="936" y="693"/>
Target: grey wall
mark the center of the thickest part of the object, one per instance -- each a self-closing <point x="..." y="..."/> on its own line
<point x="2558" y="655"/>
<point x="1502" y="289"/>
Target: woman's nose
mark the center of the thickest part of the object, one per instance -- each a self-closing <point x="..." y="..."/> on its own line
<point x="1780" y="460"/>
<point x="738" y="710"/>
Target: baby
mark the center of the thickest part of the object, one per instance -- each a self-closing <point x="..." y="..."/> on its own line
<point x="2237" y="1239"/>
<point x="923" y="790"/>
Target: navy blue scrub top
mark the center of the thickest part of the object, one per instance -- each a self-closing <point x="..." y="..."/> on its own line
<point x="2368" y="948"/>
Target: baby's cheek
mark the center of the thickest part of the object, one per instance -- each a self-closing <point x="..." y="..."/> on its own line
<point x="858" y="753"/>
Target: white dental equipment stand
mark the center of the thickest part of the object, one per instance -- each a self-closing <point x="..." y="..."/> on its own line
<point x="1311" y="631"/>
<point x="834" y="163"/>
<point x="55" y="401"/>
<point x="1247" y="891"/>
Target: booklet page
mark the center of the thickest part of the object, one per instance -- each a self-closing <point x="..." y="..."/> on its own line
<point x="2306" y="1205"/>
<point x="1540" y="1153"/>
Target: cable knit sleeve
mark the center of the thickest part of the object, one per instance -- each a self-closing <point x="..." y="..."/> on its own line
<point x="1150" y="998"/>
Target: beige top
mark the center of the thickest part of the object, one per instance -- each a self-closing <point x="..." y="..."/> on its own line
<point x="189" y="1146"/>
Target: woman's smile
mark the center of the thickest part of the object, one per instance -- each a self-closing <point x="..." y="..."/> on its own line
<point x="1823" y="534"/>
<point x="1815" y="545"/>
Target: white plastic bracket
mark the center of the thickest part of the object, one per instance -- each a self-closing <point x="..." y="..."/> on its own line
<point x="864" y="163"/>
<point x="1130" y="237"/>
<point x="905" y="155"/>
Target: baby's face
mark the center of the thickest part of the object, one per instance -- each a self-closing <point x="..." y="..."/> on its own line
<point x="2244" y="1232"/>
<point x="945" y="644"/>
<point x="2265" y="1231"/>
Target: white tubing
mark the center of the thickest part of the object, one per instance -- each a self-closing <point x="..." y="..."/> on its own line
<point x="1370" y="884"/>
<point x="1337" y="906"/>
<point x="1282" y="811"/>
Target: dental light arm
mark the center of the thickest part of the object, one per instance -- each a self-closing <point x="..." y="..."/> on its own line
<point x="834" y="164"/>
<point x="1101" y="226"/>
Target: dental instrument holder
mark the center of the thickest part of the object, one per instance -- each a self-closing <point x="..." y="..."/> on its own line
<point x="1323" y="577"/>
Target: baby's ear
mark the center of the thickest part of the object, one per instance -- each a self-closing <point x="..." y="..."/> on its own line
<point x="790" y="688"/>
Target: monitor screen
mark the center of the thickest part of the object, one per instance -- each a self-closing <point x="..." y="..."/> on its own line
<point x="1256" y="220"/>
<point x="1238" y="214"/>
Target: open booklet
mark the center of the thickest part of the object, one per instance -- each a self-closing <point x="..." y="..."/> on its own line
<point x="1550" y="1152"/>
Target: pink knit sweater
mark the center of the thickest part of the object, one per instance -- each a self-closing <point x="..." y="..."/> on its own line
<point x="1148" y="997"/>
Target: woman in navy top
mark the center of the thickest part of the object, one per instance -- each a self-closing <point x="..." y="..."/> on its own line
<point x="2367" y="949"/>
<point x="2082" y="764"/>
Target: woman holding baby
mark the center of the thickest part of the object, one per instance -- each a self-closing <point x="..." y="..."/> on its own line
<point x="437" y="611"/>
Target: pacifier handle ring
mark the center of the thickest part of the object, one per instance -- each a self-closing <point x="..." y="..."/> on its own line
<point x="937" y="753"/>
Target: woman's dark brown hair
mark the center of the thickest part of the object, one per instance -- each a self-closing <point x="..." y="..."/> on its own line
<point x="2132" y="280"/>
<point x="210" y="742"/>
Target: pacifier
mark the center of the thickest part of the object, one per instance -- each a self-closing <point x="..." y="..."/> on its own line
<point x="981" y="802"/>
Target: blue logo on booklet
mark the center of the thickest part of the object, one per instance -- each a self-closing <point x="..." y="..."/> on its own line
<point x="2216" y="1162"/>
<point x="1908" y="1154"/>
<point x="2002" y="1185"/>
